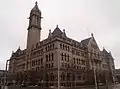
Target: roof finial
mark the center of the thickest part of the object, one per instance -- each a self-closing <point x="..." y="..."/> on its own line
<point x="36" y="3"/>
<point x="12" y="51"/>
<point x="50" y="31"/>
<point x="19" y="47"/>
<point x="92" y="34"/>
<point x="57" y="26"/>
<point x="63" y="30"/>
<point x="50" y="34"/>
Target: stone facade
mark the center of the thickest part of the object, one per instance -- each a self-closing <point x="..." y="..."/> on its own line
<point x="59" y="60"/>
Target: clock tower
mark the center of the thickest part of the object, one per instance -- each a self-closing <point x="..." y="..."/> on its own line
<point x="34" y="28"/>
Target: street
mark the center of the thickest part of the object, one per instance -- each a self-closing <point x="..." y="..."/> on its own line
<point x="117" y="86"/>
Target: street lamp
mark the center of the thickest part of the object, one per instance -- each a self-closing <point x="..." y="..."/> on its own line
<point x="94" y="72"/>
<point x="96" y="86"/>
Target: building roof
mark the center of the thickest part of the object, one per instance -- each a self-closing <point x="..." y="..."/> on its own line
<point x="85" y="41"/>
<point x="57" y="32"/>
<point x="35" y="9"/>
<point x="18" y="52"/>
<point x="105" y="51"/>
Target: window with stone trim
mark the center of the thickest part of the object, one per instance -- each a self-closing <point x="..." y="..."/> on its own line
<point x="46" y="58"/>
<point x="52" y="56"/>
<point x="52" y="77"/>
<point x="62" y="77"/>
<point x="62" y="56"/>
<point x="42" y="61"/>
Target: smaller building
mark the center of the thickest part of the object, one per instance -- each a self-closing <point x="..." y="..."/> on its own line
<point x="2" y="76"/>
<point x="117" y="71"/>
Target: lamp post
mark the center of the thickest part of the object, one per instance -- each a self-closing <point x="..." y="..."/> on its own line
<point x="96" y="86"/>
<point x="113" y="80"/>
<point x="106" y="80"/>
<point x="94" y="72"/>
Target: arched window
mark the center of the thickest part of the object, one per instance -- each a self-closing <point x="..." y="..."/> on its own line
<point x="65" y="56"/>
<point x="46" y="58"/>
<point x="46" y="48"/>
<point x="47" y="77"/>
<point x="53" y="46"/>
<point x="52" y="77"/>
<point x="61" y="46"/>
<point x="77" y="60"/>
<point x="68" y="76"/>
<point x="63" y="76"/>
<point x="41" y="61"/>
<point x="52" y="57"/>
<point x="62" y="56"/>
<point x="73" y="60"/>
<point x="52" y="65"/>
<point x="68" y="57"/>
<point x="68" y="48"/>
<point x="49" y="57"/>
<point x="50" y="46"/>
<point x="37" y="20"/>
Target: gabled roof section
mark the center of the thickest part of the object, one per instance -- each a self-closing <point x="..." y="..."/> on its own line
<point x="18" y="52"/>
<point x="57" y="32"/>
<point x="105" y="51"/>
<point x="85" y="41"/>
<point x="107" y="54"/>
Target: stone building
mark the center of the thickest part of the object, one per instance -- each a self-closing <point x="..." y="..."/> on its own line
<point x="58" y="60"/>
<point x="2" y="76"/>
<point x="117" y="72"/>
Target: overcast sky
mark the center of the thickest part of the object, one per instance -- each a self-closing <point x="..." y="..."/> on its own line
<point x="78" y="17"/>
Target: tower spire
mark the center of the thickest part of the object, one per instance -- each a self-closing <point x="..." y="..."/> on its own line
<point x="34" y="28"/>
<point x="92" y="34"/>
<point x="36" y="3"/>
